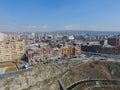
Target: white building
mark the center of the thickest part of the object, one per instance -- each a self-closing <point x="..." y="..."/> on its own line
<point x="71" y="37"/>
<point x="2" y="36"/>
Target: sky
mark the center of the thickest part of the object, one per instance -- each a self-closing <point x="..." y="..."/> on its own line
<point x="48" y="15"/>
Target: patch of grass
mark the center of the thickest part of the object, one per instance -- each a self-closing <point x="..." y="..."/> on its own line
<point x="9" y="69"/>
<point x="25" y="89"/>
<point x="5" y="65"/>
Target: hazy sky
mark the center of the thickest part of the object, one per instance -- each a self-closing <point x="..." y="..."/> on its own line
<point x="44" y="15"/>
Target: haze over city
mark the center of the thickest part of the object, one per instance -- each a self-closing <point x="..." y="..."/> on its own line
<point x="59" y="44"/>
<point x="49" y="15"/>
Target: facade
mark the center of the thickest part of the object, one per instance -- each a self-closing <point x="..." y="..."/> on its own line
<point x="35" y="55"/>
<point x="2" y="36"/>
<point x="40" y="54"/>
<point x="114" y="41"/>
<point x="77" y="51"/>
<point x="56" y="52"/>
<point x="67" y="51"/>
<point x="118" y="41"/>
<point x="105" y="42"/>
<point x="70" y="50"/>
<point x="13" y="50"/>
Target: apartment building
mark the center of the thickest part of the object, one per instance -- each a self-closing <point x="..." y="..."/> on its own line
<point x="12" y="50"/>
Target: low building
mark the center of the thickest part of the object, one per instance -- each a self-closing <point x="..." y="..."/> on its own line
<point x="35" y="55"/>
<point x="56" y="52"/>
<point x="70" y="50"/>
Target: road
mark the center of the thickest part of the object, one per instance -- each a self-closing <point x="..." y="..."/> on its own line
<point x="96" y="81"/>
<point x="62" y="87"/>
<point x="1" y="70"/>
<point x="109" y="57"/>
<point x="10" y="74"/>
<point x="103" y="86"/>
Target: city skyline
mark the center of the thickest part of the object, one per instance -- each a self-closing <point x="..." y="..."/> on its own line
<point x="51" y="15"/>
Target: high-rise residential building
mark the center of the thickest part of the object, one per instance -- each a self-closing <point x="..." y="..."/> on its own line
<point x="112" y="41"/>
<point x="12" y="50"/>
<point x="115" y="41"/>
<point x="2" y="36"/>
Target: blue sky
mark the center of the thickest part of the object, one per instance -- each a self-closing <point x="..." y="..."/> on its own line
<point x="38" y="15"/>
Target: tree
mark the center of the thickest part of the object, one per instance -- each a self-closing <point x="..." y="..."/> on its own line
<point x="25" y="58"/>
<point x="16" y="59"/>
